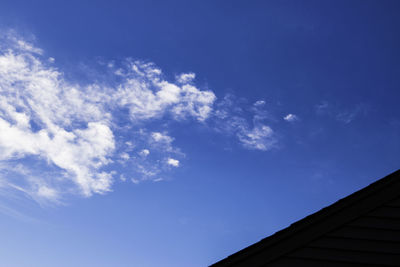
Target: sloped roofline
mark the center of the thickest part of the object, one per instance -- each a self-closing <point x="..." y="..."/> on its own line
<point x="317" y="224"/>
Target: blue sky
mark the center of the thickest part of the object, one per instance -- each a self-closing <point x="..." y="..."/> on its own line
<point x="174" y="133"/>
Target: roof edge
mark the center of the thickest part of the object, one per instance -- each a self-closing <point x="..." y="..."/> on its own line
<point x="353" y="205"/>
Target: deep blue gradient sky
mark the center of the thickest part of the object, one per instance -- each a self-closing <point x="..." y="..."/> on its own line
<point x="213" y="181"/>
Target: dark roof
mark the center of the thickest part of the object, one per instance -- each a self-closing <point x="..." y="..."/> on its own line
<point x="374" y="209"/>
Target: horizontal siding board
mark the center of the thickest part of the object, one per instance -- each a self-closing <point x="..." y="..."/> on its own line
<point x="394" y="203"/>
<point x="298" y="262"/>
<point x="386" y="212"/>
<point x="366" y="233"/>
<point x="347" y="256"/>
<point x="357" y="245"/>
<point x="377" y="222"/>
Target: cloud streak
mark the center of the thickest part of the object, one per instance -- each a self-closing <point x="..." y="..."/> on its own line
<point x="291" y="118"/>
<point x="247" y="123"/>
<point x="71" y="137"/>
<point x="341" y="114"/>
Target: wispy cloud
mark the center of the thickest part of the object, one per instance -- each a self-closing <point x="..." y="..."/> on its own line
<point x="162" y="138"/>
<point x="74" y="138"/>
<point x="259" y="137"/>
<point x="173" y="162"/>
<point x="342" y="114"/>
<point x="144" y="152"/>
<point x="290" y="117"/>
<point x="185" y="78"/>
<point x="147" y="95"/>
<point x="246" y="122"/>
<point x="322" y="108"/>
<point x="347" y="116"/>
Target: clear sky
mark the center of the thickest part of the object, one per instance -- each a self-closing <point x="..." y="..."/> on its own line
<point x="174" y="133"/>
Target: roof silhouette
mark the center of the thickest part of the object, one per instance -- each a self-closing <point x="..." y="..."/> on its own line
<point x="358" y="230"/>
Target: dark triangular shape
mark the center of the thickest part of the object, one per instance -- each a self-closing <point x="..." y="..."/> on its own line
<point x="360" y="229"/>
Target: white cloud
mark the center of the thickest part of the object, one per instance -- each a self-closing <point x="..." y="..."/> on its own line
<point x="125" y="156"/>
<point x="186" y="77"/>
<point x="161" y="138"/>
<point x="162" y="141"/>
<point x="173" y="162"/>
<point x="76" y="134"/>
<point x="73" y="133"/>
<point x="144" y="152"/>
<point x="135" y="181"/>
<point x="259" y="103"/>
<point x="231" y="118"/>
<point x="147" y="95"/>
<point x="70" y="126"/>
<point x="259" y="137"/>
<point x="290" y="118"/>
<point x="47" y="192"/>
<point x="122" y="177"/>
